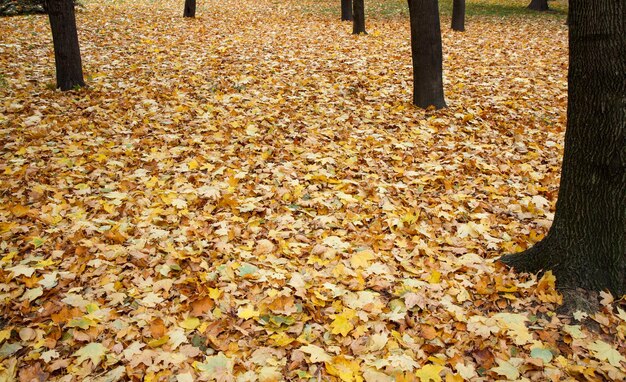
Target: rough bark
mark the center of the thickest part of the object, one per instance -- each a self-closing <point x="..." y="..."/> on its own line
<point x="426" y="53"/>
<point x="69" y="70"/>
<point x="190" y="8"/>
<point x="358" y="14"/>
<point x="346" y="10"/>
<point x="458" y="15"/>
<point x="538" y="5"/>
<point x="586" y="245"/>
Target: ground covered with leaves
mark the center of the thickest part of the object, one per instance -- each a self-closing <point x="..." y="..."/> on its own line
<point x="251" y="196"/>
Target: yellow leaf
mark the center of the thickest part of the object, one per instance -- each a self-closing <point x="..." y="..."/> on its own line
<point x="361" y="259"/>
<point x="281" y="339"/>
<point x="190" y="323"/>
<point x="347" y="370"/>
<point x="342" y="323"/>
<point x="215" y="293"/>
<point x="159" y="342"/>
<point x="152" y="182"/>
<point x="317" y="353"/>
<point x="217" y="313"/>
<point x="6" y="227"/>
<point x="435" y="277"/>
<point x="5" y="334"/>
<point x="247" y="312"/>
<point x="546" y="289"/>
<point x="429" y="373"/>
<point x="193" y="164"/>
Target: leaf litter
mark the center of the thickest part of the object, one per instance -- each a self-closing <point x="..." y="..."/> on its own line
<point x="249" y="195"/>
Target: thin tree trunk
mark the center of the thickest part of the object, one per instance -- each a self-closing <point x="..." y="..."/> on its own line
<point x="190" y="8"/>
<point x="69" y="70"/>
<point x="346" y="10"/>
<point x="458" y="15"/>
<point x="538" y="5"/>
<point x="426" y="53"/>
<point x="358" y="14"/>
<point x="586" y="245"/>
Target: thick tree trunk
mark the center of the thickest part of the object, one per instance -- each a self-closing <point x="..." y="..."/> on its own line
<point x="426" y="53"/>
<point x="346" y="10"/>
<point x="190" y="8"/>
<point x="586" y="245"/>
<point x="358" y="14"/>
<point x="538" y="5"/>
<point x="458" y="15"/>
<point x="69" y="70"/>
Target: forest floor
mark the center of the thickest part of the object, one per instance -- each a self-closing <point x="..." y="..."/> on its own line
<point x="250" y="195"/>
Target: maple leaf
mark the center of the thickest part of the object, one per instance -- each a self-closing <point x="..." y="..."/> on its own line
<point x="209" y="192"/>
<point x="270" y="374"/>
<point x="151" y="300"/>
<point x="515" y="325"/>
<point x="132" y="350"/>
<point x="190" y="323"/>
<point x="32" y="294"/>
<point x="342" y="323"/>
<point x="176" y="337"/>
<point x="508" y="368"/>
<point x="361" y="259"/>
<point x="429" y="373"/>
<point x="466" y="371"/>
<point x="93" y="351"/>
<point x="21" y="269"/>
<point x="317" y="353"/>
<point x="347" y="370"/>
<point x="112" y="375"/>
<point x="247" y="312"/>
<point x="49" y="355"/>
<point x="606" y="352"/>
<point x="218" y="367"/>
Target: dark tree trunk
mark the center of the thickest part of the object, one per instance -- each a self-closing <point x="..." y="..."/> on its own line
<point x="69" y="70"/>
<point x="358" y="13"/>
<point x="586" y="245"/>
<point x="458" y="15"/>
<point x="426" y="53"/>
<point x="190" y="8"/>
<point x="538" y="5"/>
<point x="346" y="10"/>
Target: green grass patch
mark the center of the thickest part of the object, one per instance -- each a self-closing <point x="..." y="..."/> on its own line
<point x="399" y="8"/>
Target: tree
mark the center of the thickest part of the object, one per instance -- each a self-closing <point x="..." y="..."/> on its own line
<point x="190" y="8"/>
<point x="538" y="5"/>
<point x="358" y="14"/>
<point x="346" y="10"/>
<point x="69" y="70"/>
<point x="458" y="15"/>
<point x="426" y="53"/>
<point x="586" y="245"/>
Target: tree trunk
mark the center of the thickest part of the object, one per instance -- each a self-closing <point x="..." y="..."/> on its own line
<point x="538" y="5"/>
<point x="458" y="15"/>
<point x="426" y="53"/>
<point x="586" y="245"/>
<point x="69" y="70"/>
<point x="346" y="10"/>
<point x="190" y="8"/>
<point x="358" y="14"/>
